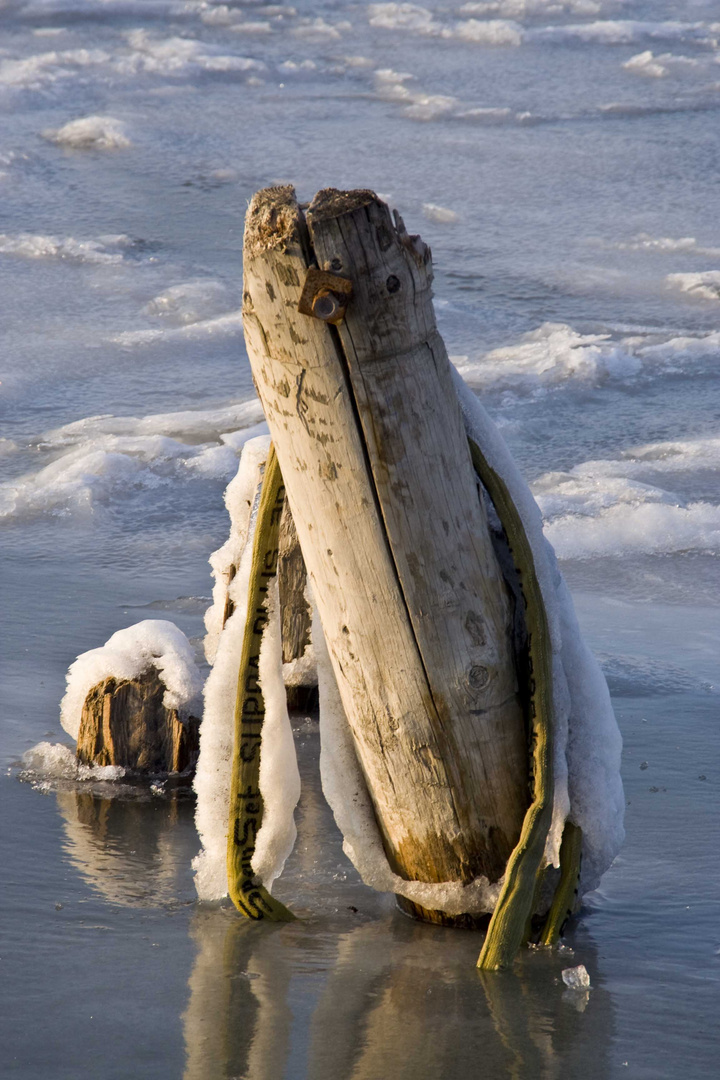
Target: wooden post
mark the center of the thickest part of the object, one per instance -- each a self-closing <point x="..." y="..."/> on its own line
<point x="124" y="722"/>
<point x="295" y="614"/>
<point x="392" y="526"/>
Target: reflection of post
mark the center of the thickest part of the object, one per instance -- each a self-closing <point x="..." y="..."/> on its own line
<point x="237" y="1022"/>
<point x="206" y="1017"/>
<point x="403" y="1002"/>
<point x="270" y="972"/>
<point x="349" y="996"/>
<point x="132" y="852"/>
<point x="518" y="1021"/>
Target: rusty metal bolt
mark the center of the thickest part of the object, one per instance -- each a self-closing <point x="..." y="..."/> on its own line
<point x="325" y="305"/>
<point x="325" y="296"/>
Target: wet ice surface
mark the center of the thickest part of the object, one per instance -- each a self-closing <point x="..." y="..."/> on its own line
<point x="560" y="159"/>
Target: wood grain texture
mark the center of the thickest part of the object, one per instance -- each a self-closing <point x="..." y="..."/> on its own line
<point x="295" y="614"/>
<point x="124" y="722"/>
<point x="434" y="516"/>
<point x="411" y="601"/>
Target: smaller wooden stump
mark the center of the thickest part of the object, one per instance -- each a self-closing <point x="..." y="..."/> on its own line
<point x="124" y="722"/>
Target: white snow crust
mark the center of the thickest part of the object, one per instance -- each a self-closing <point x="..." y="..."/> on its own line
<point x="126" y="655"/>
<point x="223" y="647"/>
<point x="279" y="775"/>
<point x="239" y="496"/>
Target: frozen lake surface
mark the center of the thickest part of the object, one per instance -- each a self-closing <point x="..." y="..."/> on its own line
<point x="561" y="158"/>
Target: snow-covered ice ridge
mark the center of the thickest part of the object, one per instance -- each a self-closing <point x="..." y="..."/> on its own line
<point x="101" y="458"/>
<point x="556" y="355"/>
<point x="620" y="506"/>
<point x="705" y="284"/>
<point x="103" y="250"/>
<point x="484" y="27"/>
<point x="136" y="53"/>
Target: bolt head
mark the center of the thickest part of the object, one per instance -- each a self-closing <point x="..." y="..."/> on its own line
<point x="325" y="305"/>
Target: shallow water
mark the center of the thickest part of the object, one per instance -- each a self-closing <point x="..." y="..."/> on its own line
<point x="112" y="969"/>
<point x="556" y="185"/>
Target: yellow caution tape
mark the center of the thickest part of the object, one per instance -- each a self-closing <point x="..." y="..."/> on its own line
<point x="514" y="907"/>
<point x="246" y="802"/>
<point x="566" y="892"/>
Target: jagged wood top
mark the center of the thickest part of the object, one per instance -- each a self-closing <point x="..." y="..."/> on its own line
<point x="332" y="203"/>
<point x="273" y="220"/>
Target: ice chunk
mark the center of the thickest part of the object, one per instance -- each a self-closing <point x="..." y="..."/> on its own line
<point x="576" y="978"/>
<point x="91" y="132"/>
<point x="47" y="763"/>
<point x="441" y="215"/>
<point x="50" y="761"/>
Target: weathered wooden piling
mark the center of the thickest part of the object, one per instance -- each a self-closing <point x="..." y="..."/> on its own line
<point x="356" y="386"/>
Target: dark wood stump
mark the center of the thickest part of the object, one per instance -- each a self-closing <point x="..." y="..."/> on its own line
<point x="124" y="722"/>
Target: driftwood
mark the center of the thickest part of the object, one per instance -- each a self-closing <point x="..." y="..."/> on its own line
<point x="392" y="526"/>
<point x="124" y="722"/>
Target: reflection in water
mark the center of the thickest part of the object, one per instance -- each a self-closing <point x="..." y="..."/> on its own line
<point x="134" y="851"/>
<point x="238" y="1019"/>
<point x="356" y="991"/>
<point x="388" y="998"/>
<point x="352" y="991"/>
